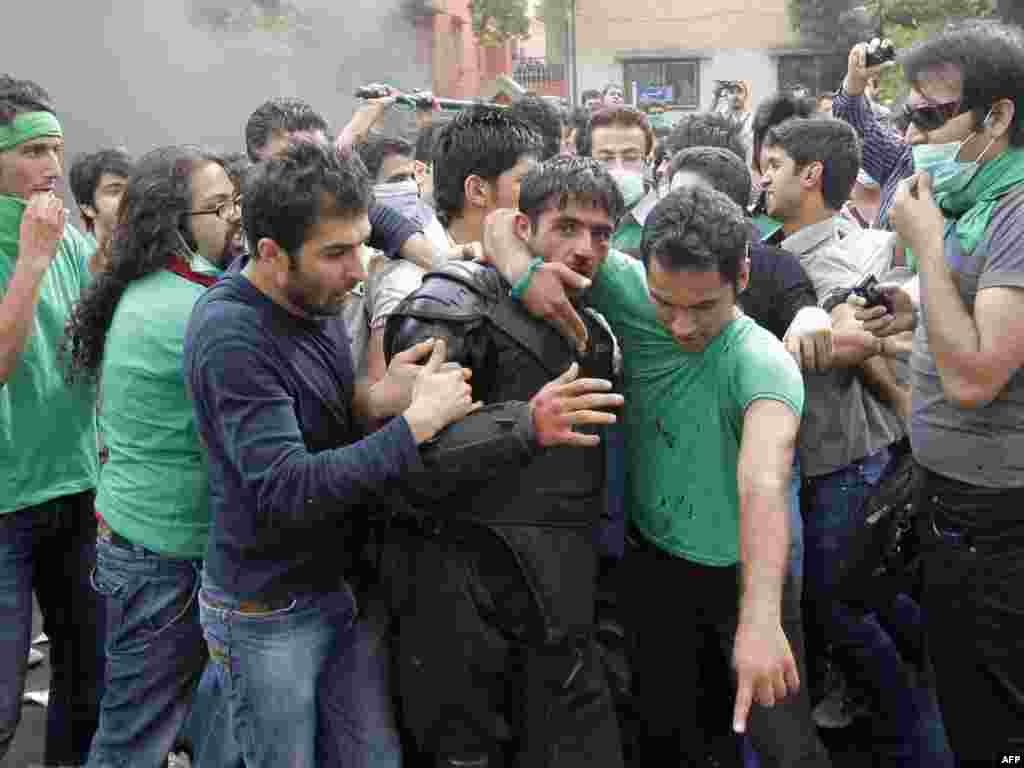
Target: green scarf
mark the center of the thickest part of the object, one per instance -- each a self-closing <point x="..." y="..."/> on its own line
<point x="28" y="125"/>
<point x="972" y="207"/>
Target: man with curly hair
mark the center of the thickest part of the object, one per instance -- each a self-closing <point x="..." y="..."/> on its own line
<point x="48" y="457"/>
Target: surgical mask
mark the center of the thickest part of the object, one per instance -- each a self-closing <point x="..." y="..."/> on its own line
<point x="198" y="263"/>
<point x="630" y="184"/>
<point x="941" y="161"/>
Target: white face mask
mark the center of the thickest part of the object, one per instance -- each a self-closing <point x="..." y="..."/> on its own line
<point x="631" y="185"/>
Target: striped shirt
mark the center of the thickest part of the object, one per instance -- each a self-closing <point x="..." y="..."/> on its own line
<point x="886" y="156"/>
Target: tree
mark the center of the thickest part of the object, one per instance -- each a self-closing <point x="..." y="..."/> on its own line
<point x="495" y="22"/>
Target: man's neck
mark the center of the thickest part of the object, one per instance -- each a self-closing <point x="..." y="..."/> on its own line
<point x="468" y="228"/>
<point x="808" y="216"/>
<point x="265" y="285"/>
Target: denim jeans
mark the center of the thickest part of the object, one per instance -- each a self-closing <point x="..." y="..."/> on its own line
<point x="833" y="512"/>
<point x="50" y="548"/>
<point x="271" y="662"/>
<point x="357" y="723"/>
<point x="973" y="607"/>
<point x="155" y="653"/>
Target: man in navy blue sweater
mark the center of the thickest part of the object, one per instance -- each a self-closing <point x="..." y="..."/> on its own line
<point x="268" y="366"/>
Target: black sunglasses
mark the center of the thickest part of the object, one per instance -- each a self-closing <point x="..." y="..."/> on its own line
<point x="933" y="116"/>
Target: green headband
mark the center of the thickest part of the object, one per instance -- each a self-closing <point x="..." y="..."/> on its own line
<point x="26" y="126"/>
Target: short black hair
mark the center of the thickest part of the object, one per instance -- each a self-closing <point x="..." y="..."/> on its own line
<point x="990" y="58"/>
<point x="699" y="229"/>
<point x="544" y="118"/>
<point x="825" y="140"/>
<point x="609" y="86"/>
<point x="18" y="96"/>
<point x="590" y="93"/>
<point x="376" y="150"/>
<point x="285" y="196"/>
<point x="563" y="179"/>
<point x="702" y="129"/>
<point x="279" y="115"/>
<point x="87" y="170"/>
<point x="774" y="110"/>
<point x="425" y="144"/>
<point x="483" y="142"/>
<point x="721" y="168"/>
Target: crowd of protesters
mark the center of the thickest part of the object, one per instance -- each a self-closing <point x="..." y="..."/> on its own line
<point x="541" y="440"/>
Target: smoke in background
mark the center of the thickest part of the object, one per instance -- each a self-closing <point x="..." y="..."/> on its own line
<point x="145" y="73"/>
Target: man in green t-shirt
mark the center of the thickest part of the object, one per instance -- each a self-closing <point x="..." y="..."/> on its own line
<point x="48" y="451"/>
<point x="713" y="409"/>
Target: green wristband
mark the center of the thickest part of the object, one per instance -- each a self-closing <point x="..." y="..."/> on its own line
<point x="523" y="283"/>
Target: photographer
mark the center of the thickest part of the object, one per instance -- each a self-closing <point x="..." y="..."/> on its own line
<point x="963" y="217"/>
<point x="887" y="157"/>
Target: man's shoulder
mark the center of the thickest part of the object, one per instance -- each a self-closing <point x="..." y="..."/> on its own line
<point x="465" y="285"/>
<point x="225" y="310"/>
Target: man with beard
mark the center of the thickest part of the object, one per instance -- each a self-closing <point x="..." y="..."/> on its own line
<point x="281" y="418"/>
<point x="495" y="585"/>
<point x="48" y="456"/>
<point x="179" y="228"/>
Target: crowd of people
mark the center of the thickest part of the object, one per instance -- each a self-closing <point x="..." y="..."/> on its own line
<point x="540" y="440"/>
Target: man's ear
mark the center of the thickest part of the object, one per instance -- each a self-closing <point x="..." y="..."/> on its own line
<point x="420" y="171"/>
<point x="1001" y="119"/>
<point x="810" y="176"/>
<point x="269" y="252"/>
<point x="477" y="192"/>
<point x="522" y="226"/>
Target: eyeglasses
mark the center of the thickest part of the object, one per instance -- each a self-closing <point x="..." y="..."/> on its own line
<point x="931" y="117"/>
<point x="225" y="211"/>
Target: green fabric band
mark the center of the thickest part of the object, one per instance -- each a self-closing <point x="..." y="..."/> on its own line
<point x="26" y="126"/>
<point x="523" y="283"/>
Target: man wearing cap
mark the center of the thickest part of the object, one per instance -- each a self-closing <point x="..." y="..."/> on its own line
<point x="48" y="457"/>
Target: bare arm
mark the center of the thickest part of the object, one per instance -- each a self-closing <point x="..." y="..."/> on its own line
<point x="765" y="667"/>
<point x="41" y="228"/>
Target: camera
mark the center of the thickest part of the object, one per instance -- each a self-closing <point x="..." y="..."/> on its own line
<point x="879" y="53"/>
<point x="869" y="293"/>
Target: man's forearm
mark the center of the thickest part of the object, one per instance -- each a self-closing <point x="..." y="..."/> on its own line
<point x="879" y="378"/>
<point x="764" y="546"/>
<point x="17" y="313"/>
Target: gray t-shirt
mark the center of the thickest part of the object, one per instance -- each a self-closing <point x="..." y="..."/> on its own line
<point x="843" y="421"/>
<point x="983" y="446"/>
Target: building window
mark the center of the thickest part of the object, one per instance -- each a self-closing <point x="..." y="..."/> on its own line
<point x="818" y="73"/>
<point x="665" y="82"/>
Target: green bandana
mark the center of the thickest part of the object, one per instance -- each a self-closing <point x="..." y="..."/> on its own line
<point x="26" y="126"/>
<point x="973" y="206"/>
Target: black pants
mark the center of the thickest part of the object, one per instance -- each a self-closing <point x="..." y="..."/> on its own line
<point x="675" y="609"/>
<point x="973" y="606"/>
<point x="51" y="549"/>
<point x="477" y="685"/>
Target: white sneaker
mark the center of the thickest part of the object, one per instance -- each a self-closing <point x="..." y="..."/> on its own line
<point x="41" y="639"/>
<point x="179" y="760"/>
<point x="35" y="658"/>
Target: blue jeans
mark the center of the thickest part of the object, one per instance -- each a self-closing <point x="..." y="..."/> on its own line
<point x="50" y="548"/>
<point x="271" y="662"/>
<point x="834" y="507"/>
<point x="358" y="728"/>
<point x="155" y="653"/>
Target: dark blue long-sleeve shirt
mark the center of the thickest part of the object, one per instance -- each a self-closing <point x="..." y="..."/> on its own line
<point x="887" y="158"/>
<point x="273" y="394"/>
